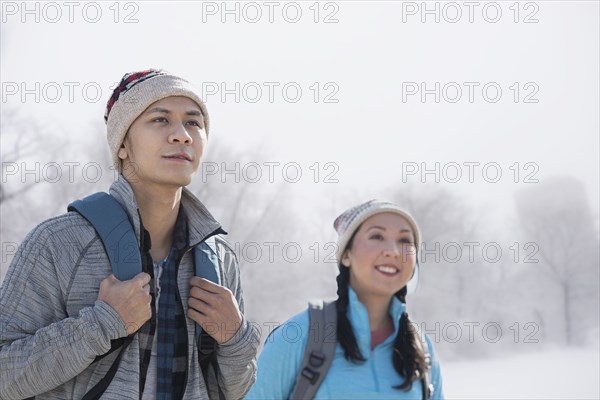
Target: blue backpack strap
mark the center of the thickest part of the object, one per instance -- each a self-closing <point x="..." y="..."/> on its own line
<point x="206" y="265"/>
<point x="114" y="228"/>
<point x="206" y="261"/>
<point x="120" y="243"/>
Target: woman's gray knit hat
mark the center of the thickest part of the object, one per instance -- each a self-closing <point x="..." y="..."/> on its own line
<point x="135" y="92"/>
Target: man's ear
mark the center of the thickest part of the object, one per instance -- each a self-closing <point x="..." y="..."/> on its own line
<point x="123" y="152"/>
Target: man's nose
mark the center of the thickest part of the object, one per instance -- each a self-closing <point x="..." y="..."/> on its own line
<point x="180" y="134"/>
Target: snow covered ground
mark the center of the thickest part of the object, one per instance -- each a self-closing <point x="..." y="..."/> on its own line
<point x="555" y="374"/>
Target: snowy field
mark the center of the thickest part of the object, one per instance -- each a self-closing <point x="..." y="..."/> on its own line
<point x="554" y="374"/>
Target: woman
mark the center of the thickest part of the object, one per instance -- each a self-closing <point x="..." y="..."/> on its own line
<point x="378" y="354"/>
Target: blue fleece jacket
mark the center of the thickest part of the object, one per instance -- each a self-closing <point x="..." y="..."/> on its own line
<point x="281" y="357"/>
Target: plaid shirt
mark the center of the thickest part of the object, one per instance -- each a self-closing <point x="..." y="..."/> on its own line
<point x="169" y="321"/>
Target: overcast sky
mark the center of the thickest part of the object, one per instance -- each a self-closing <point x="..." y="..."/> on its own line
<point x="517" y="84"/>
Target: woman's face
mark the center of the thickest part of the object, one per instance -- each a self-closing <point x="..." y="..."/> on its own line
<point x="382" y="256"/>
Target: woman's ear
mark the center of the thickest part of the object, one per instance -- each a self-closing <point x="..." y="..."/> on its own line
<point x="345" y="259"/>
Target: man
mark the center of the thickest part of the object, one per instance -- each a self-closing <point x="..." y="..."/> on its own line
<point x="62" y="310"/>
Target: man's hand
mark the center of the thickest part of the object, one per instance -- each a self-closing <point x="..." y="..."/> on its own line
<point x="214" y="308"/>
<point x="130" y="299"/>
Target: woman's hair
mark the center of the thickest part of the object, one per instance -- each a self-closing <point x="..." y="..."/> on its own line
<point x="408" y="358"/>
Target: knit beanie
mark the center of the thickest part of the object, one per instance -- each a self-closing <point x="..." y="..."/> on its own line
<point x="350" y="220"/>
<point x="133" y="95"/>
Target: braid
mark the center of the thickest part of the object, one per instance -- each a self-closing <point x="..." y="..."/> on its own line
<point x="408" y="358"/>
<point x="345" y="334"/>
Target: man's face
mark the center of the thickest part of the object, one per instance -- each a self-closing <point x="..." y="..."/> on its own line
<point x="165" y="143"/>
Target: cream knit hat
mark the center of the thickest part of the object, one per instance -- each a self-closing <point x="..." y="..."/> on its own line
<point x="135" y="92"/>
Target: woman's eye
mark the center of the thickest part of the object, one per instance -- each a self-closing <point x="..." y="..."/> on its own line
<point x="406" y="241"/>
<point x="159" y="119"/>
<point x="376" y="237"/>
<point x="196" y="123"/>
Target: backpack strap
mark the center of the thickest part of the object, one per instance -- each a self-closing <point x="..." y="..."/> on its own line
<point x="99" y="388"/>
<point x="319" y="351"/>
<point x="206" y="265"/>
<point x="114" y="228"/>
<point x="120" y="243"/>
<point x="426" y="380"/>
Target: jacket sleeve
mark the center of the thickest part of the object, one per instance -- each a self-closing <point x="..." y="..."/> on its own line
<point x="237" y="357"/>
<point x="280" y="360"/>
<point x="436" y="373"/>
<point x="41" y="347"/>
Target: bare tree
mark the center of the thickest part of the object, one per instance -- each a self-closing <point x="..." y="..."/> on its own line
<point x="449" y="277"/>
<point x="29" y="192"/>
<point x="258" y="216"/>
<point x="557" y="216"/>
<point x="21" y="140"/>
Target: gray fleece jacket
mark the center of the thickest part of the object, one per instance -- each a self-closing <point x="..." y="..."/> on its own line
<point x="52" y="326"/>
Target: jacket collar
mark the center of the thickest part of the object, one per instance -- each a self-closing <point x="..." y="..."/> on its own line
<point x="200" y="222"/>
<point x="359" y="319"/>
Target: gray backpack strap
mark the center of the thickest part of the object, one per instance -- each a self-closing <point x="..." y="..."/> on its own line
<point x="319" y="351"/>
<point x="426" y="381"/>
